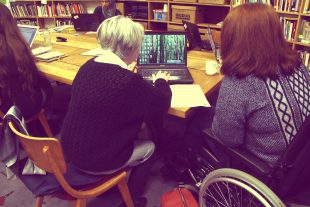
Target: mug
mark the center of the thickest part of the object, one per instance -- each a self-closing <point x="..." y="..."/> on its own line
<point x="212" y="67"/>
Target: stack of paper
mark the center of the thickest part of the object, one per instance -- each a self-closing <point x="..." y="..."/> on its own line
<point x="188" y="95"/>
<point x="50" y="56"/>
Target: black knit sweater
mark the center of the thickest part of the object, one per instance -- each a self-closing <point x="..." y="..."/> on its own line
<point x="108" y="104"/>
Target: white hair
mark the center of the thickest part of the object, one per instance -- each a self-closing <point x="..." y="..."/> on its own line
<point x="120" y="35"/>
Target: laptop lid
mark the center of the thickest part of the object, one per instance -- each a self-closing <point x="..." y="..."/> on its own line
<point x="84" y="22"/>
<point x="163" y="50"/>
<point x="29" y="32"/>
<point x="214" y="49"/>
<point x="192" y="34"/>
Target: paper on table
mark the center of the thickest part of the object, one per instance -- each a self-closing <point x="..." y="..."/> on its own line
<point x="188" y="95"/>
<point x="93" y="52"/>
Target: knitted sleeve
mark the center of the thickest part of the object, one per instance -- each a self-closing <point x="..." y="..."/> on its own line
<point x="150" y="99"/>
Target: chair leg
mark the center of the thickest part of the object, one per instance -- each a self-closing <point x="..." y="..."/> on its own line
<point x="123" y="188"/>
<point x="45" y="124"/>
<point x="39" y="201"/>
<point x="80" y="202"/>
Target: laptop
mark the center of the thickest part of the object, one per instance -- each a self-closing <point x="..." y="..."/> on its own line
<point x="29" y="32"/>
<point x="84" y="22"/>
<point x="193" y="37"/>
<point x="165" y="51"/>
<point x="215" y="50"/>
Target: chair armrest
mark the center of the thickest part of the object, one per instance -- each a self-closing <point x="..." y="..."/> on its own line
<point x="255" y="164"/>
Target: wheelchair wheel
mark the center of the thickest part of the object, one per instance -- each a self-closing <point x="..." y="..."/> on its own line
<point x="233" y="188"/>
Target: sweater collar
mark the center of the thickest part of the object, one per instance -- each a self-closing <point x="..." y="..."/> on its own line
<point x="107" y="56"/>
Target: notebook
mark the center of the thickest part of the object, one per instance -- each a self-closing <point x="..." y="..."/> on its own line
<point x="193" y="37"/>
<point x="165" y="51"/>
<point x="29" y="32"/>
<point x="84" y="22"/>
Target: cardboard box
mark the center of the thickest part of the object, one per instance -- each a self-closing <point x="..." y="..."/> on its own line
<point x="187" y="13"/>
<point x="213" y="1"/>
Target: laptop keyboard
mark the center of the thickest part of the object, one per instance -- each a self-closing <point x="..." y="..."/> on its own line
<point x="178" y="73"/>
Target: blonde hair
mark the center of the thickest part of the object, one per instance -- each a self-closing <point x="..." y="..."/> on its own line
<point x="120" y="35"/>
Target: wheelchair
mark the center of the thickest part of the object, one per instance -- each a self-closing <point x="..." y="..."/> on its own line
<point x="230" y="187"/>
<point x="269" y="186"/>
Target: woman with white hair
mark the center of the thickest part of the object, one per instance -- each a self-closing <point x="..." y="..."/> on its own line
<point x="109" y="103"/>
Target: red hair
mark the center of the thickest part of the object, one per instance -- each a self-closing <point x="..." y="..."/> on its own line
<point x="252" y="42"/>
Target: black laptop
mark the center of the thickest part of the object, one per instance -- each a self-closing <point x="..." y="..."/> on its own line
<point x="193" y="37"/>
<point x="165" y="51"/>
<point x="84" y="22"/>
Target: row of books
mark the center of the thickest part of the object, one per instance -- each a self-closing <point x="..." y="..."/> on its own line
<point x="307" y="7"/>
<point x="63" y="22"/>
<point x="305" y="56"/>
<point x="288" y="5"/>
<point x="27" y="22"/>
<point x="289" y="27"/>
<point x="24" y="10"/>
<point x="305" y="32"/>
<point x="280" y="5"/>
<point x="47" y="10"/>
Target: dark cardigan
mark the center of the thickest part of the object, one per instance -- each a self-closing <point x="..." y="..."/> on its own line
<point x="108" y="105"/>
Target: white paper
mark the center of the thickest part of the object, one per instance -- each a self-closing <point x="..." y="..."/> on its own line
<point x="94" y="52"/>
<point x="188" y="95"/>
<point x="50" y="55"/>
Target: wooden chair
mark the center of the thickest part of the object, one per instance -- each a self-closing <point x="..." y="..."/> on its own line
<point x="42" y="118"/>
<point x="47" y="154"/>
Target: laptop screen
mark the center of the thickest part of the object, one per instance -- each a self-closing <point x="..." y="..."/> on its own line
<point x="29" y="32"/>
<point x="163" y="48"/>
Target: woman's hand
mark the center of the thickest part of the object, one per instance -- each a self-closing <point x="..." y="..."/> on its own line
<point x="160" y="74"/>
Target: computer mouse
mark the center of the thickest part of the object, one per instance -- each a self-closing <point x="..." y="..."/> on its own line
<point x="61" y="39"/>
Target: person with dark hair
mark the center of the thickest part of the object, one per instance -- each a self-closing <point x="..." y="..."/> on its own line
<point x="264" y="97"/>
<point x="106" y="10"/>
<point x="21" y="83"/>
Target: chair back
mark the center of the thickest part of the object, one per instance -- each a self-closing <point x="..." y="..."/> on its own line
<point x="42" y="151"/>
<point x="293" y="170"/>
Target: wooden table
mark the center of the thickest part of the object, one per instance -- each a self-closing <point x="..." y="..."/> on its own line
<point x="65" y="69"/>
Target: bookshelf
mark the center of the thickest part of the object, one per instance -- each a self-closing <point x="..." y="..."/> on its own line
<point x="49" y="13"/>
<point x="210" y="13"/>
<point x="56" y="12"/>
<point x="294" y="16"/>
<point x="295" y="19"/>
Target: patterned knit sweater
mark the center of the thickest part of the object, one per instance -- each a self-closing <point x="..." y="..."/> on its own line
<point x="107" y="107"/>
<point x="263" y="116"/>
